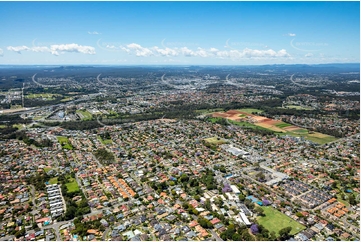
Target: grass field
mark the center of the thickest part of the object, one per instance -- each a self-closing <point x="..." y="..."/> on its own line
<point x="300" y="131"/>
<point x="282" y="125"/>
<point x="65" y="143"/>
<point x="298" y="107"/>
<point x="47" y="96"/>
<point x="250" y="110"/>
<point x="66" y="99"/>
<point x="72" y="186"/>
<point x="315" y="137"/>
<point x="53" y="180"/>
<point x="105" y="141"/>
<point x="214" y="119"/>
<point x="215" y="141"/>
<point x="84" y="114"/>
<point x="19" y="126"/>
<point x="275" y="221"/>
<point x="205" y="111"/>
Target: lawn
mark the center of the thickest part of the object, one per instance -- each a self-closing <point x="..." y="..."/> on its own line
<point x="275" y="221"/>
<point x="65" y="143"/>
<point x="250" y="110"/>
<point x="215" y="141"/>
<point x="72" y="186"/>
<point x="53" y="180"/>
<point x="282" y="125"/>
<point x="84" y="114"/>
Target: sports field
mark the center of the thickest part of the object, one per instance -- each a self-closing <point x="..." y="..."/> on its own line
<point x="84" y="114"/>
<point x="275" y="221"/>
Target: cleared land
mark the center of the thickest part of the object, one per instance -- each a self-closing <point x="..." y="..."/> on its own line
<point x="249" y="120"/>
<point x="65" y="143"/>
<point x="275" y="221"/>
<point x="248" y="125"/>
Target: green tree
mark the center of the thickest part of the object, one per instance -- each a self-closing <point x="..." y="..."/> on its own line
<point x="285" y="232"/>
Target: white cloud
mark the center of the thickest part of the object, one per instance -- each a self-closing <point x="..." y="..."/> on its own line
<point x="1" y="52"/>
<point x="54" y="49"/>
<point x="72" y="48"/>
<point x="18" y="49"/>
<point x="187" y="52"/>
<point x="94" y="32"/>
<point x="111" y="47"/>
<point x="165" y="52"/>
<point x="138" y="50"/>
<point x="291" y="34"/>
<point x="309" y="55"/>
<point x="40" y="49"/>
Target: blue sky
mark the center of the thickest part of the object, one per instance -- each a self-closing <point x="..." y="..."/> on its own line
<point x="177" y="33"/>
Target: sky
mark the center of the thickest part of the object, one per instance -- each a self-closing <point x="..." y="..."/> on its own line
<point x="179" y="33"/>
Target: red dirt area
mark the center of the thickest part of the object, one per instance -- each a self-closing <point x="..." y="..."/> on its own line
<point x="270" y="121"/>
<point x="291" y="128"/>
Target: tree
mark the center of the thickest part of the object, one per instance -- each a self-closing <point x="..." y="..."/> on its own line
<point x="236" y="237"/>
<point x="285" y="232"/>
<point x="352" y="200"/>
<point x="241" y="197"/>
<point x="207" y="204"/>
<point x="254" y="229"/>
<point x="259" y="210"/>
<point x="272" y="236"/>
